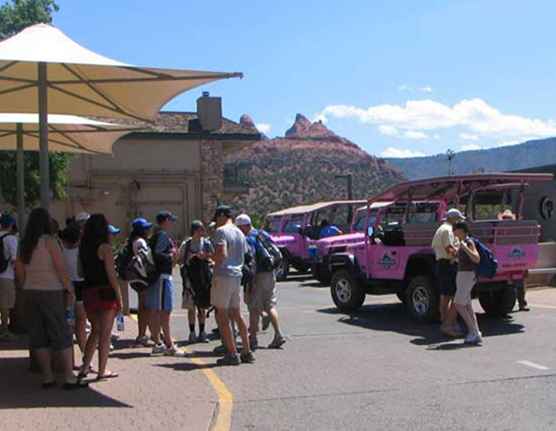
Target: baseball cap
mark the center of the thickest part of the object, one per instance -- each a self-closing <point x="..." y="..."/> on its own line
<point x="162" y="216"/>
<point x="455" y="213"/>
<point x="243" y="220"/>
<point x="113" y="230"/>
<point x="82" y="217"/>
<point x="223" y="210"/>
<point x="141" y="223"/>
<point x="7" y="220"/>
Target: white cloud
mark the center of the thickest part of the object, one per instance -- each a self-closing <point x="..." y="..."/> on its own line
<point x="468" y="137"/>
<point x="470" y="147"/>
<point x="388" y="130"/>
<point x="408" y="88"/>
<point x="400" y="153"/>
<point x="263" y="128"/>
<point x="412" y="134"/>
<point x="425" y="89"/>
<point x="404" y="87"/>
<point x="474" y="116"/>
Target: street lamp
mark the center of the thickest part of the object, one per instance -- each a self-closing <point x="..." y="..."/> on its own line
<point x="348" y="177"/>
<point x="451" y="156"/>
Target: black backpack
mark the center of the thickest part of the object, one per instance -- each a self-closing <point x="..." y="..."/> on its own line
<point x="141" y="271"/>
<point x="270" y="256"/>
<point x="122" y="261"/>
<point x="4" y="261"/>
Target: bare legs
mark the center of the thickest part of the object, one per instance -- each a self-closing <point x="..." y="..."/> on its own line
<point x="142" y="316"/>
<point x="80" y="324"/>
<point x="101" y="331"/>
<point x="45" y="363"/>
<point x="468" y="315"/>
<point x="224" y="318"/>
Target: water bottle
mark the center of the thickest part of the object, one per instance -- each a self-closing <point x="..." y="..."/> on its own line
<point x="120" y="325"/>
<point x="70" y="316"/>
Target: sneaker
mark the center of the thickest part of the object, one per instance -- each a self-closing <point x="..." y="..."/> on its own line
<point x="266" y="322"/>
<point x="111" y="347"/>
<point x="474" y="339"/>
<point x="143" y="341"/>
<point x="203" y="338"/>
<point x="174" y="351"/>
<point x="192" y="338"/>
<point x="277" y="343"/>
<point x="451" y="331"/>
<point x="158" y="350"/>
<point x="228" y="359"/>
<point x="247" y="358"/>
<point x="253" y="343"/>
<point x="524" y="307"/>
<point x="220" y="349"/>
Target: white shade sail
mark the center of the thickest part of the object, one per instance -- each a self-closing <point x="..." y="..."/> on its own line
<point x="82" y="82"/>
<point x="67" y="133"/>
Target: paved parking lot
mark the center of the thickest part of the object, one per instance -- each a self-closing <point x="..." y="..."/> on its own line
<point x="376" y="369"/>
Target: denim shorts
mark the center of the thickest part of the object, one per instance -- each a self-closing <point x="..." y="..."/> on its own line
<point x="160" y="295"/>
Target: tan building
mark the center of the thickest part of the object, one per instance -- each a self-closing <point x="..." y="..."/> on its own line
<point x="175" y="165"/>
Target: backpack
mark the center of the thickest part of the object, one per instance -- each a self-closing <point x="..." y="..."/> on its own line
<point x="4" y="261"/>
<point x="271" y="256"/>
<point x="249" y="268"/>
<point x="122" y="261"/>
<point x="141" y="270"/>
<point x="488" y="265"/>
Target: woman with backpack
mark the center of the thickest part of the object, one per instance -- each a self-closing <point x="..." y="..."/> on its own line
<point x="196" y="269"/>
<point x="138" y="241"/>
<point x="468" y="259"/>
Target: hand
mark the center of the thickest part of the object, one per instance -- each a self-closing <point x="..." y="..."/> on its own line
<point x="120" y="304"/>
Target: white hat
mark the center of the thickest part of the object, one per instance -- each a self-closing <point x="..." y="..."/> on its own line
<point x="243" y="220"/>
<point x="82" y="217"/>
<point x="455" y="213"/>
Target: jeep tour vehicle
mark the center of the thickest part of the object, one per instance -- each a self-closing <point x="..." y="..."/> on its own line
<point x="295" y="229"/>
<point x="396" y="256"/>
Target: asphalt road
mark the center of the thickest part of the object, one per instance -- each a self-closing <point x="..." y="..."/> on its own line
<point x="380" y="370"/>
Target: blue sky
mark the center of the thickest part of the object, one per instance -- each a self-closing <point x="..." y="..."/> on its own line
<point x="396" y="77"/>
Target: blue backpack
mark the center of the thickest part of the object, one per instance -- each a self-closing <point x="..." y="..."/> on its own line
<point x="488" y="264"/>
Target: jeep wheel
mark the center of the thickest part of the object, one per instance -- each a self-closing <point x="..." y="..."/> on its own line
<point x="346" y="292"/>
<point x="498" y="303"/>
<point x="422" y="299"/>
<point x="321" y="273"/>
<point x="283" y="270"/>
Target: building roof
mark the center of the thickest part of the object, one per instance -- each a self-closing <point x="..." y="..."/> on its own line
<point x="187" y="125"/>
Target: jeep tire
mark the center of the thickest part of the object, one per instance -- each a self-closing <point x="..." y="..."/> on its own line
<point x="498" y="303"/>
<point x="346" y="291"/>
<point x="422" y="299"/>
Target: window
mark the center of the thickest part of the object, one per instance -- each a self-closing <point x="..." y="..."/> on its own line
<point x="294" y="223"/>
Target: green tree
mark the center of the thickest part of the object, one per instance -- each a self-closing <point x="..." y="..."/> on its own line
<point x="15" y="15"/>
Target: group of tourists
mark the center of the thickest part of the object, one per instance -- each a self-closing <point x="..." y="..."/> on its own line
<point x="71" y="283"/>
<point x="457" y="259"/>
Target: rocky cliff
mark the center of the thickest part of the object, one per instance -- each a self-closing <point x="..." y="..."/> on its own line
<point x="301" y="168"/>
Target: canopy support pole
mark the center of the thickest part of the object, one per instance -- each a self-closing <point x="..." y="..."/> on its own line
<point x="20" y="179"/>
<point x="43" y="136"/>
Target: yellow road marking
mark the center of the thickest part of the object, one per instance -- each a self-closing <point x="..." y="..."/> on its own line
<point x="223" y="420"/>
<point x="550" y="307"/>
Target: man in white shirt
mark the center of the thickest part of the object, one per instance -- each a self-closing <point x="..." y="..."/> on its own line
<point x="8" y="254"/>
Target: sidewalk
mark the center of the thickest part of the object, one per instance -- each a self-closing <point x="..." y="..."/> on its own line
<point x="150" y="393"/>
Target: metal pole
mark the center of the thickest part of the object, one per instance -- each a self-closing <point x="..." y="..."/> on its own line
<point x="43" y="135"/>
<point x="20" y="179"/>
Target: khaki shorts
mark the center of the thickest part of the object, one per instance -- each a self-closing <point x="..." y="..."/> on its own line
<point x="465" y="281"/>
<point x="262" y="296"/>
<point x="7" y="294"/>
<point x="226" y="292"/>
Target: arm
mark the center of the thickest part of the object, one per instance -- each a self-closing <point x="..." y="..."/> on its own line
<point x="107" y="257"/>
<point x="19" y="273"/>
<point x="471" y="250"/>
<point x="11" y="244"/>
<point x="59" y="265"/>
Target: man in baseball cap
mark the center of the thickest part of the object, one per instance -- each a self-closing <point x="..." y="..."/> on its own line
<point x="446" y="246"/>
<point x="163" y="216"/>
<point x="141" y="223"/>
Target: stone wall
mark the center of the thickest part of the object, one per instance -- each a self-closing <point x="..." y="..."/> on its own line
<point x="212" y="175"/>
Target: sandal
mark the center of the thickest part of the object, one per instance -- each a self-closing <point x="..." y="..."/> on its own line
<point x="69" y="386"/>
<point x="106" y="376"/>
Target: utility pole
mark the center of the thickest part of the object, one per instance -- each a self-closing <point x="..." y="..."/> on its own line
<point x="451" y="156"/>
<point x="349" y="179"/>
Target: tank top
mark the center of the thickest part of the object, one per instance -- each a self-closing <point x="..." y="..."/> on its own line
<point x="70" y="256"/>
<point x="464" y="260"/>
<point x="40" y="273"/>
<point x="94" y="271"/>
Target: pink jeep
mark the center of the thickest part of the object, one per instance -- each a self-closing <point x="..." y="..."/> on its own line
<point x="396" y="255"/>
<point x="295" y="229"/>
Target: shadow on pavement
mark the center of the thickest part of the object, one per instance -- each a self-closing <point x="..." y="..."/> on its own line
<point x="25" y="391"/>
<point x="394" y="318"/>
<point x="187" y="366"/>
